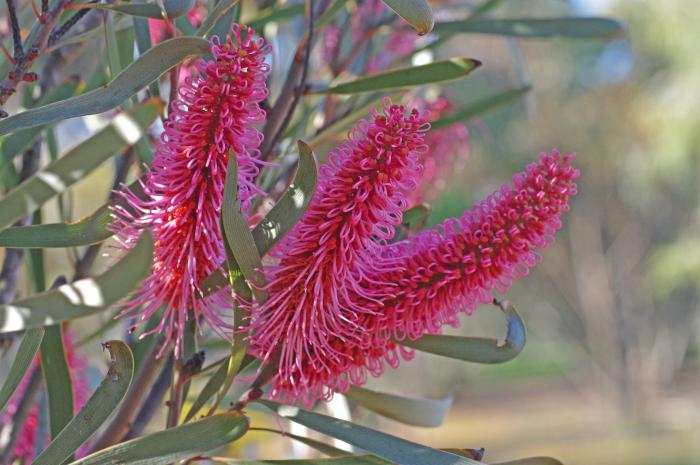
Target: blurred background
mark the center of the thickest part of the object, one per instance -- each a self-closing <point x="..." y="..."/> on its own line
<point x="611" y="371"/>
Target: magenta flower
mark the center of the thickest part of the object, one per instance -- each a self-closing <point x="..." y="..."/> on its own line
<point x="216" y="112"/>
<point x="313" y="289"/>
<point x="428" y="280"/>
<point x="27" y="439"/>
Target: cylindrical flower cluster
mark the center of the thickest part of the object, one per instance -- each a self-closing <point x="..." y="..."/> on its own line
<point x="215" y="115"/>
<point x="425" y="282"/>
<point x="314" y="287"/>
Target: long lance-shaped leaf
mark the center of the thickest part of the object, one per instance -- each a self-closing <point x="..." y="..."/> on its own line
<point x="384" y="445"/>
<point x="59" y="387"/>
<point x="221" y="8"/>
<point x="476" y="349"/>
<point x="284" y="215"/>
<point x="174" y="444"/>
<point x="17" y="143"/>
<point x="125" y="129"/>
<point x="96" y="410"/>
<point x="23" y="360"/>
<point x="135" y="77"/>
<point x="364" y="459"/>
<point x="532" y="461"/>
<point x="579" y="28"/>
<point x="479" y="107"/>
<point x="291" y="10"/>
<point x="417" y="412"/>
<point x="417" y="13"/>
<point x="89" y="230"/>
<point x="81" y="298"/>
<point x="170" y="9"/>
<point x="322" y="447"/>
<point x="96" y="227"/>
<point x="292" y="205"/>
<point x="454" y="68"/>
<point x="210" y="389"/>
<point x="238" y="236"/>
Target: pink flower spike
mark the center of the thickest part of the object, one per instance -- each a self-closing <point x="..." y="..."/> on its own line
<point x="216" y="112"/>
<point x="313" y="289"/>
<point x="436" y="275"/>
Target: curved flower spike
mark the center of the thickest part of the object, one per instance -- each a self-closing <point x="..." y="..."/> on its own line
<point x="216" y="113"/>
<point x="313" y="289"/>
<point x="436" y="275"/>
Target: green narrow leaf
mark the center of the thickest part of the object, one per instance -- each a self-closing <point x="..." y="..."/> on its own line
<point x="384" y="445"/>
<point x="59" y="388"/>
<point x="278" y="13"/>
<point x="576" y="27"/>
<point x="364" y="459"/>
<point x="480" y="107"/>
<point x="89" y="230"/>
<point x="532" y="461"/>
<point x="112" y="47"/>
<point x="417" y="412"/>
<point x="20" y="141"/>
<point x="476" y="349"/>
<point x="96" y="410"/>
<point x="147" y="68"/>
<point x="221" y="8"/>
<point x="417" y="13"/>
<point x="322" y="447"/>
<point x="21" y="363"/>
<point x="283" y="216"/>
<point x="171" y="8"/>
<point x="208" y="391"/>
<point x="238" y="236"/>
<point x="454" y="68"/>
<point x="124" y="129"/>
<point x="338" y="129"/>
<point x="293" y="203"/>
<point x="83" y="297"/>
<point x="174" y="444"/>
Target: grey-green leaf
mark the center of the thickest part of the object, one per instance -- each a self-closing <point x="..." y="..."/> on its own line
<point x="579" y="28"/>
<point x="292" y="205"/>
<point x="384" y="445"/>
<point x="59" y="387"/>
<point x="364" y="459"/>
<point x="284" y="215"/>
<point x="174" y="444"/>
<point x="23" y="360"/>
<point x="480" y="107"/>
<point x="417" y="13"/>
<point x="532" y="461"/>
<point x="171" y="8"/>
<point x="81" y="298"/>
<point x="237" y="232"/>
<point x="427" y="413"/>
<point x="476" y="349"/>
<point x="454" y="68"/>
<point x="124" y="129"/>
<point x="96" y="410"/>
<point x="208" y="391"/>
<point x="322" y="447"/>
<point x="17" y="143"/>
<point x="135" y="77"/>
<point x="222" y="7"/>
<point x="89" y="230"/>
